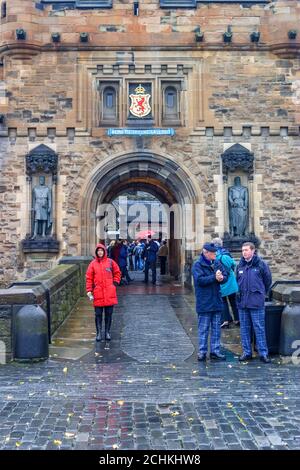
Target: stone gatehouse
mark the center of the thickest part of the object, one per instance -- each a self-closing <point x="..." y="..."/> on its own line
<point x="220" y="88"/>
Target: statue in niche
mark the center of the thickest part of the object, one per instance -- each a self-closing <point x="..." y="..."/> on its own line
<point x="42" y="208"/>
<point x="238" y="208"/>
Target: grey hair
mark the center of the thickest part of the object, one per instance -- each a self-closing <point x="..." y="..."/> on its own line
<point x="217" y="241"/>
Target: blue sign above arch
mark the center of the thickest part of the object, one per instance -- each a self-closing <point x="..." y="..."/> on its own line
<point x="79" y="3"/>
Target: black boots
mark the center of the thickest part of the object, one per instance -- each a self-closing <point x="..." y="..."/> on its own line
<point x="108" y="319"/>
<point x="98" y="321"/>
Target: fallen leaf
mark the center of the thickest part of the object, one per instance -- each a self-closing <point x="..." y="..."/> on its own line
<point x="65" y="370"/>
<point x="18" y="444"/>
<point x="57" y="442"/>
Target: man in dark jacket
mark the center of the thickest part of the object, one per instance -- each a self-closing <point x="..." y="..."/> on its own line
<point x="208" y="274"/>
<point x="254" y="280"/>
<point x="150" y="254"/>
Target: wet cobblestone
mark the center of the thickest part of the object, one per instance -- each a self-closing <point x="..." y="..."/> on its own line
<point x="109" y="400"/>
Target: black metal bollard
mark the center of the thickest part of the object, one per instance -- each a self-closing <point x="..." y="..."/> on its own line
<point x="31" y="334"/>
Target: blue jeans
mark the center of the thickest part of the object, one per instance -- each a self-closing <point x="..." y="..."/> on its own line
<point x="139" y="263"/>
<point x="256" y="317"/>
<point x="212" y="320"/>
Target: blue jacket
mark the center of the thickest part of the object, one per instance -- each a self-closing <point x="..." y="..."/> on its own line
<point x="231" y="286"/>
<point x="123" y="257"/>
<point x="254" y="280"/>
<point x="150" y="252"/>
<point x="207" y="288"/>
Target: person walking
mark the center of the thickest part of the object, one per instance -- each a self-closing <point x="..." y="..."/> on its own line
<point x="110" y="249"/>
<point x="150" y="253"/>
<point x="122" y="262"/>
<point x="163" y="256"/>
<point x="208" y="274"/>
<point x="229" y="288"/>
<point x="102" y="277"/>
<point x="254" y="280"/>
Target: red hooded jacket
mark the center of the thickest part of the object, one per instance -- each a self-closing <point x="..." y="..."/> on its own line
<point x="100" y="276"/>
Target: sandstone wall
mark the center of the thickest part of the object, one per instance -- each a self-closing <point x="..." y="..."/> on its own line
<point x="235" y="93"/>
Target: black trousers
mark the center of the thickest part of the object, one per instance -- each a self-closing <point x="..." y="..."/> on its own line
<point x="226" y="312"/>
<point x="108" y="314"/>
<point x="163" y="262"/>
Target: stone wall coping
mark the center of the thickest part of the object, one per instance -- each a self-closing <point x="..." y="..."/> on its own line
<point x="56" y="277"/>
<point x="52" y="280"/>
<point x="75" y="260"/>
<point x="287" y="293"/>
<point x="22" y="295"/>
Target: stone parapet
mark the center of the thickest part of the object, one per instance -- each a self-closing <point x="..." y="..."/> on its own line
<point x="151" y="27"/>
<point x="56" y="291"/>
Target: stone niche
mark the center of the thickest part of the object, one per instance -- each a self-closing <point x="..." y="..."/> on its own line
<point x="41" y="170"/>
<point x="238" y="167"/>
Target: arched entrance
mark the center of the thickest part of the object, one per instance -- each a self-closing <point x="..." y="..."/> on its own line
<point x="160" y="176"/>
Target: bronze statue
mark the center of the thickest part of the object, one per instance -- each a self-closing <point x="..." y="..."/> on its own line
<point x="42" y="206"/>
<point x="238" y="208"/>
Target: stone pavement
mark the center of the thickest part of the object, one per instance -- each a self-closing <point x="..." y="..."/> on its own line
<point x="145" y="389"/>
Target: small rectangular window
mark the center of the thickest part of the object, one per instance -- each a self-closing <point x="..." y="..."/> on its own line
<point x="171" y="113"/>
<point x="109" y="103"/>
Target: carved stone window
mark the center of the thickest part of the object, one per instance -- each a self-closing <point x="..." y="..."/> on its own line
<point x="109" y="98"/>
<point x="171" y="114"/>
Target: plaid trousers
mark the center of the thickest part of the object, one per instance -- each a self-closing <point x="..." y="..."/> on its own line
<point x="257" y="318"/>
<point x="206" y="320"/>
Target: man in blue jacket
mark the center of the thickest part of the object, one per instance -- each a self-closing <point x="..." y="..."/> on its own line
<point x="254" y="280"/>
<point x="208" y="274"/>
<point x="150" y="254"/>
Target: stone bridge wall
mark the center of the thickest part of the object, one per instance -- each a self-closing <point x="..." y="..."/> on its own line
<point x="65" y="284"/>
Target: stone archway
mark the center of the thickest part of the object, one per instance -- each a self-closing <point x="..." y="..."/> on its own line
<point x="170" y="182"/>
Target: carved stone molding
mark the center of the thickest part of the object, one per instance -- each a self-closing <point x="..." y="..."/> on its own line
<point x="237" y="157"/>
<point x="42" y="159"/>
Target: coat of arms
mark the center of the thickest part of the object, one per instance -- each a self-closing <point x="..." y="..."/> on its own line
<point x="140" y="106"/>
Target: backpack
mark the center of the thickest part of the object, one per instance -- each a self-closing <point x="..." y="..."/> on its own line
<point x="228" y="270"/>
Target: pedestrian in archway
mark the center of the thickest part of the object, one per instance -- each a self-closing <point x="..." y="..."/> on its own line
<point x="138" y="255"/>
<point x="163" y="256"/>
<point x="208" y="274"/>
<point x="150" y="257"/>
<point x="122" y="262"/>
<point x="110" y="249"/>
<point x="102" y="277"/>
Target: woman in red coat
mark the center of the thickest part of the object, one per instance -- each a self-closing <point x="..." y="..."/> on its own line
<point x="102" y="277"/>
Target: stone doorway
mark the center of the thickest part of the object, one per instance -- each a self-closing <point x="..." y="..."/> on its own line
<point x="168" y="182"/>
